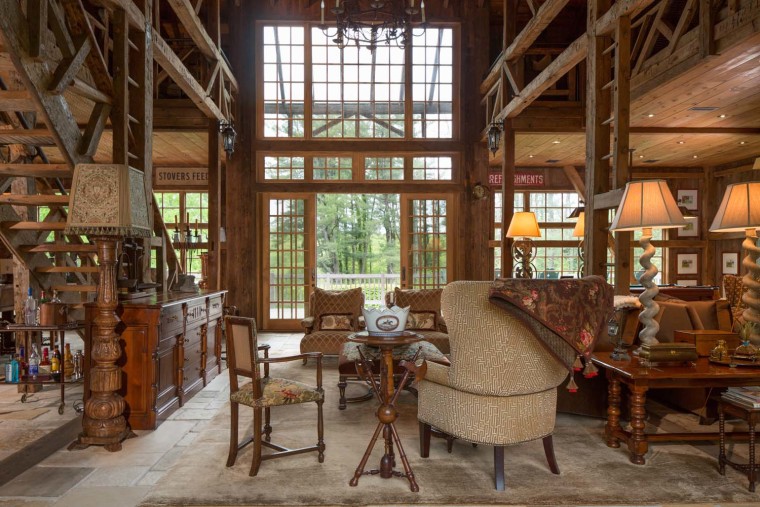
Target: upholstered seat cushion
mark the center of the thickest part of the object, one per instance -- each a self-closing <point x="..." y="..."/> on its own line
<point x="277" y="391"/>
<point x="328" y="342"/>
<point x="437" y="338"/>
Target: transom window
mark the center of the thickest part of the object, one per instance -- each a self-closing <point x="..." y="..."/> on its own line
<point x="356" y="93"/>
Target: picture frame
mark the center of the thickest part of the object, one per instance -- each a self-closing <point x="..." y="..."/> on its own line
<point x="691" y="230"/>
<point x="730" y="263"/>
<point x="689" y="199"/>
<point x="689" y="282"/>
<point x="687" y="264"/>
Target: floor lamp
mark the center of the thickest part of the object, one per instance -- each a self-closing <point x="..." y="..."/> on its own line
<point x="740" y="212"/>
<point x="108" y="202"/>
<point x="647" y="205"/>
<point x="578" y="232"/>
<point x="525" y="226"/>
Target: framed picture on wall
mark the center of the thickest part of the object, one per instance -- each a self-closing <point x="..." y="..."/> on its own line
<point x="688" y="199"/>
<point x="691" y="230"/>
<point x="686" y="264"/>
<point x="730" y="263"/>
<point x="687" y="283"/>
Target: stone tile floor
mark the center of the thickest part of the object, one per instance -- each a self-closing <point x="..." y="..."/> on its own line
<point x="93" y="476"/>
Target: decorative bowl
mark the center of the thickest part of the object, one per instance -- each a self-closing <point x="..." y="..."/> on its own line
<point x="385" y="320"/>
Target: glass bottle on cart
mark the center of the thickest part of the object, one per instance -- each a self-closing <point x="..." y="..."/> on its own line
<point x="30" y="309"/>
<point x="34" y="362"/>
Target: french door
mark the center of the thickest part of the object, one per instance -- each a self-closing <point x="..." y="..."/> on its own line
<point x="288" y="259"/>
<point x="289" y="256"/>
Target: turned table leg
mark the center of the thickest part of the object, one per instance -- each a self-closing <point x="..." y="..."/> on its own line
<point x="638" y="444"/>
<point x="722" y="447"/>
<point x="613" y="411"/>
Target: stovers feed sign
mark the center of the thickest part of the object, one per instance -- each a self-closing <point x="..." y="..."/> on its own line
<point x="178" y="177"/>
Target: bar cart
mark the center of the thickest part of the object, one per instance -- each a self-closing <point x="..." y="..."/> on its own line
<point x="26" y="335"/>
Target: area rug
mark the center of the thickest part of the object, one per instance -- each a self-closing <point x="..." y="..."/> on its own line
<point x="591" y="472"/>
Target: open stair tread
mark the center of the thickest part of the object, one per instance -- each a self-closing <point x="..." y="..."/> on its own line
<point x="75" y="288"/>
<point x="36" y="170"/>
<point x="67" y="269"/>
<point x="34" y="200"/>
<point x="59" y="247"/>
<point x="35" y="226"/>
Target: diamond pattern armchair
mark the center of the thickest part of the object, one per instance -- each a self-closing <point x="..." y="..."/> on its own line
<point x="333" y="316"/>
<point x="501" y="387"/>
<point x="425" y="315"/>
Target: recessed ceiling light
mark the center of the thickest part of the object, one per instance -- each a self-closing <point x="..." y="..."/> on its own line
<point x="695" y="156"/>
<point x="531" y="156"/>
<point x="556" y="141"/>
<point x="742" y="142"/>
<point x="641" y="156"/>
<point x="680" y="142"/>
<point x="650" y="115"/>
<point x="722" y="116"/>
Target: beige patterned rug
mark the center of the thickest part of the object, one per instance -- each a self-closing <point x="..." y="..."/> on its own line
<point x="591" y="473"/>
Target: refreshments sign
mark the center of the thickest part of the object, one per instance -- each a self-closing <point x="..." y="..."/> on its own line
<point x="521" y="180"/>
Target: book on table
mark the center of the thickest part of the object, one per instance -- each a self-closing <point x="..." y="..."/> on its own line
<point x="743" y="398"/>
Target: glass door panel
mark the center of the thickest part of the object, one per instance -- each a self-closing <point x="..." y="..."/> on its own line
<point x="426" y="241"/>
<point x="288" y="233"/>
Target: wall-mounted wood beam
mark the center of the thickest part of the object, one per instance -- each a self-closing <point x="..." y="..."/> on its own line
<point x="545" y="15"/>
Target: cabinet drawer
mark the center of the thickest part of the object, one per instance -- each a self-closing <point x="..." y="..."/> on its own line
<point x="196" y="312"/>
<point x="215" y="308"/>
<point x="193" y="338"/>
<point x="191" y="377"/>
<point x="192" y="353"/>
<point x="171" y="321"/>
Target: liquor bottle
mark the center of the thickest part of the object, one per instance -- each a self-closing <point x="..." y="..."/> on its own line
<point x="78" y="365"/>
<point x="22" y="359"/>
<point x="68" y="363"/>
<point x="34" y="362"/>
<point x="55" y="299"/>
<point x="9" y="370"/>
<point x="15" y="370"/>
<point x="44" y="367"/>
<point x="43" y="297"/>
<point x="30" y="309"/>
<point x="55" y="366"/>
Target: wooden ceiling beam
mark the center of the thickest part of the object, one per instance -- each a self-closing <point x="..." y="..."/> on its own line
<point x="545" y="15"/>
<point x="192" y="23"/>
<point x="171" y="63"/>
<point x="13" y="100"/>
<point x="37" y="137"/>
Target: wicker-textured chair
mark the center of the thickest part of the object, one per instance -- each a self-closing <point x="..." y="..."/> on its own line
<point x="334" y="315"/>
<point x="264" y="392"/>
<point x="501" y="387"/>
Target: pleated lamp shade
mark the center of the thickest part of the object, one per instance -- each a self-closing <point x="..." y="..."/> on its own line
<point x="580" y="225"/>
<point x="524" y="225"/>
<point x="740" y="208"/>
<point x="647" y="204"/>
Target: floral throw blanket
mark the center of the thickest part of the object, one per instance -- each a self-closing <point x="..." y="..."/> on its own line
<point x="566" y="315"/>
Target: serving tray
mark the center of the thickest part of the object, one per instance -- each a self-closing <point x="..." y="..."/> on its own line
<point x="737" y="362"/>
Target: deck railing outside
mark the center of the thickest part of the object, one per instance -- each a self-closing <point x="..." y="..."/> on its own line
<point x="374" y="286"/>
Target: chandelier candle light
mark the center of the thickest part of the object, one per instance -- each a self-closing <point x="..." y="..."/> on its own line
<point x="647" y="205"/>
<point x="740" y="212"/>
<point x="373" y="22"/>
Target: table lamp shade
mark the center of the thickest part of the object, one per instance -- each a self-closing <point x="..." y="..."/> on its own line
<point x="108" y="200"/>
<point x="740" y="208"/>
<point x="647" y="203"/>
<point x="524" y="225"/>
<point x="580" y="225"/>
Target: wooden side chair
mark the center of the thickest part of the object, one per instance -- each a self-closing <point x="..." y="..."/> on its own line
<point x="264" y="392"/>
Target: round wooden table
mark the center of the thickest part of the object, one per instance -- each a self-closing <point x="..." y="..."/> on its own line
<point x="387" y="414"/>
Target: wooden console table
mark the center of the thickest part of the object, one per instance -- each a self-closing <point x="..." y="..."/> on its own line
<point x="640" y="379"/>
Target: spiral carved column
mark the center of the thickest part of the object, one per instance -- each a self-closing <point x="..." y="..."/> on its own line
<point x="103" y="422"/>
<point x="647" y="336"/>
<point x="751" y="280"/>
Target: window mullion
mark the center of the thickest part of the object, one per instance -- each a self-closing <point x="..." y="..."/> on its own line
<point x="308" y="85"/>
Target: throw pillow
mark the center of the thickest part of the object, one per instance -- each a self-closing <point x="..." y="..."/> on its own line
<point x="335" y="322"/>
<point x="421" y="321"/>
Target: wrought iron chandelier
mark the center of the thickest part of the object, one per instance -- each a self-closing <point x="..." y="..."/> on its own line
<point x="373" y="22"/>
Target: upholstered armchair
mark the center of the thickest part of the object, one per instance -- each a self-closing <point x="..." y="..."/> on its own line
<point x="425" y="317"/>
<point x="734" y="289"/>
<point x="333" y="316"/>
<point x="501" y="387"/>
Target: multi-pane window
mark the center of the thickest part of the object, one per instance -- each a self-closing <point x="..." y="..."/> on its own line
<point x="284" y="81"/>
<point x="428" y="250"/>
<point x="332" y="168"/>
<point x="431" y="168"/>
<point x="357" y="93"/>
<point x="186" y="218"/>
<point x="383" y="168"/>
<point x="283" y="168"/>
<point x="433" y="82"/>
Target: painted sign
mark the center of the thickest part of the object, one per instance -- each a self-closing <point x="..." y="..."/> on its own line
<point x="521" y="180"/>
<point x="178" y="177"/>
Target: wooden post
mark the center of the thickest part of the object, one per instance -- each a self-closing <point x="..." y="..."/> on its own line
<point x="508" y="147"/>
<point x="214" y="266"/>
<point x="120" y="110"/>
<point x="621" y="145"/>
<point x="598" y="112"/>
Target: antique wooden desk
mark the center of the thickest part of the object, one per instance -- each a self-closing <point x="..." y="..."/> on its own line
<point x="387" y="394"/>
<point x="640" y="379"/>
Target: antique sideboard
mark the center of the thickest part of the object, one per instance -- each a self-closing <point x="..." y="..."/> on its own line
<point x="171" y="348"/>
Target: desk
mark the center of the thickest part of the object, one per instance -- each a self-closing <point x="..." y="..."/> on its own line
<point x="57" y="335"/>
<point x="640" y="379"/>
<point x="386" y="394"/>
